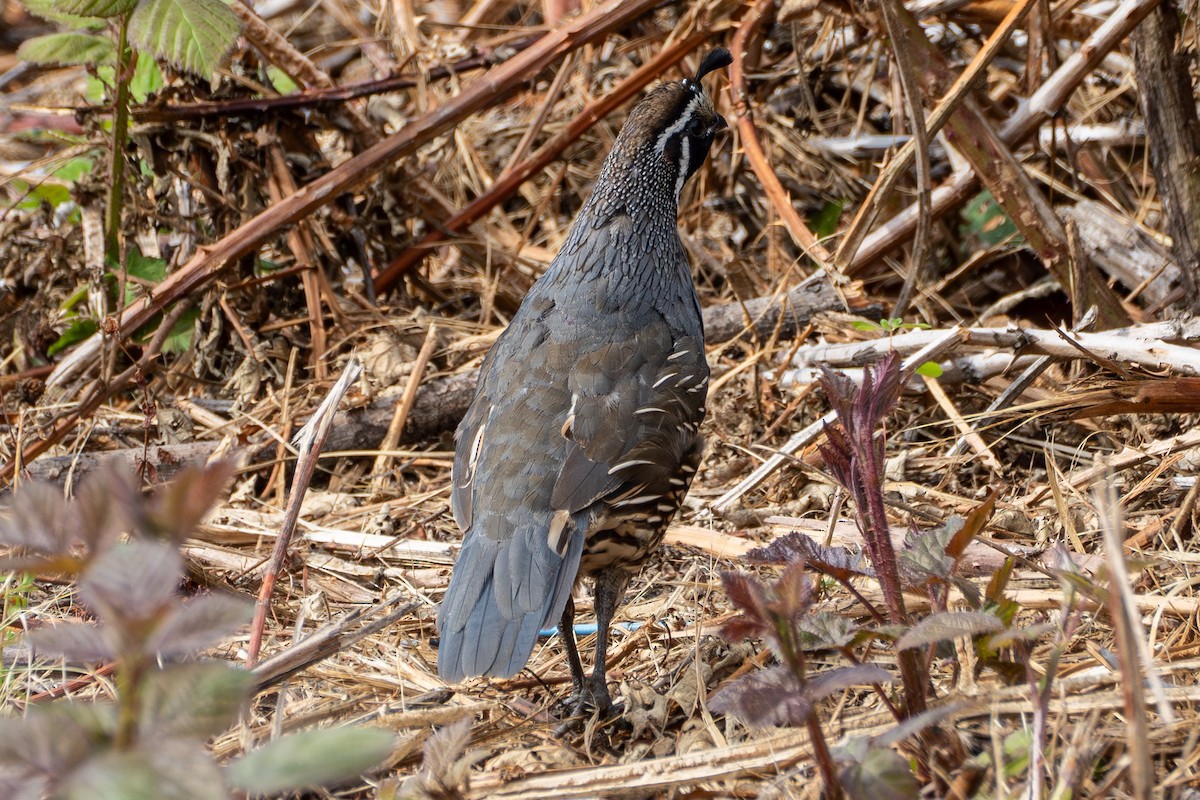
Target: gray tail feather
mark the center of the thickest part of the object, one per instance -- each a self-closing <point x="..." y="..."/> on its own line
<point x="487" y="642"/>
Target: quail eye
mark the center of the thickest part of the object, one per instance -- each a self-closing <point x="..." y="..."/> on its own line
<point x="695" y="127"/>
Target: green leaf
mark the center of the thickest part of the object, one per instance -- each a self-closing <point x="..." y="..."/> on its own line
<point x="282" y="82"/>
<point x="143" y="270"/>
<point x="52" y="10"/>
<point x="98" y="85"/>
<point x="987" y="221"/>
<point x="147" y="79"/>
<point x="68" y="49"/>
<point x="179" y="340"/>
<point x="151" y="270"/>
<point x="1017" y="746"/>
<point x="930" y="369"/>
<point x="866" y="325"/>
<point x="311" y="758"/>
<point x="74" y="169"/>
<point x="89" y="8"/>
<point x="193" y="35"/>
<point x="52" y="194"/>
<point x="76" y="332"/>
<point x="826" y="222"/>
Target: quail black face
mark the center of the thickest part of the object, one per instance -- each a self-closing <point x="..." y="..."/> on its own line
<point x="678" y="121"/>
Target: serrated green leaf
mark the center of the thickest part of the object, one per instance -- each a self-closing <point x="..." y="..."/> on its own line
<point x="88" y="8"/>
<point x="930" y="369"/>
<point x="76" y="332"/>
<point x="193" y="35"/>
<point x="51" y="10"/>
<point x="311" y="758"/>
<point x="68" y="49"/>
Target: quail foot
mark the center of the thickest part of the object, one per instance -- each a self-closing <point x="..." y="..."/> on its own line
<point x="583" y="435"/>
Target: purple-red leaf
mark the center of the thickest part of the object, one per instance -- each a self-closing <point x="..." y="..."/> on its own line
<point x="178" y="508"/>
<point x="195" y="700"/>
<point x="39" y="520"/>
<point x="767" y="697"/>
<point x="836" y="680"/>
<point x="199" y="623"/>
<point x="774" y="696"/>
<point x="133" y="582"/>
<point x="106" y="505"/>
<point x="793" y="593"/>
<point x="838" y="562"/>
<point x="749" y="596"/>
<point x="77" y="642"/>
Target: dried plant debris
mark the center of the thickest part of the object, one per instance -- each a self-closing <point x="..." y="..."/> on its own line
<point x="951" y="466"/>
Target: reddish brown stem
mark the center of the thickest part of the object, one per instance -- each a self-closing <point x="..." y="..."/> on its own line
<point x="762" y="13"/>
<point x="309" y="98"/>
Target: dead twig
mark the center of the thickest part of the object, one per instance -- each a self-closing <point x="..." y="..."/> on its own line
<point x="309" y="442"/>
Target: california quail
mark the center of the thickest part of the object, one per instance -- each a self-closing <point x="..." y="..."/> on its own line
<point x="582" y="438"/>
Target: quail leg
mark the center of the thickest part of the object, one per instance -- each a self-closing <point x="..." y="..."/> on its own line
<point x="566" y="629"/>
<point x="610" y="588"/>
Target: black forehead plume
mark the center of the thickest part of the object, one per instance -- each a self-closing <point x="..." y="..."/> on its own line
<point x="716" y="59"/>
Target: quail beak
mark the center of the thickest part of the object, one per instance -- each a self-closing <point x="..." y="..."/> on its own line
<point x="719" y="125"/>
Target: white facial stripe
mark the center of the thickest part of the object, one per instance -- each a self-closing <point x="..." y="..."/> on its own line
<point x="685" y="158"/>
<point x="680" y="123"/>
